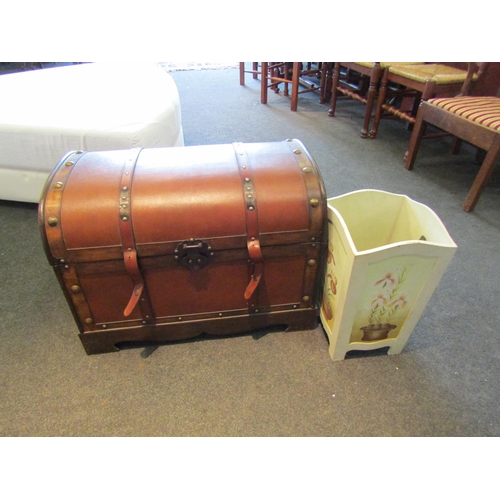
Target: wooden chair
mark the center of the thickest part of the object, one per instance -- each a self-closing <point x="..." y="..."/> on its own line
<point x="470" y="118"/>
<point x="359" y="81"/>
<point x="294" y="75"/>
<point x="255" y="72"/>
<point x="426" y="81"/>
<point x="356" y="86"/>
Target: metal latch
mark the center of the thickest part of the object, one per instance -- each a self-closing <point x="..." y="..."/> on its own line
<point x="193" y="254"/>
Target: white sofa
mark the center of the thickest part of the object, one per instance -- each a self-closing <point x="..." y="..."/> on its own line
<point x="91" y="107"/>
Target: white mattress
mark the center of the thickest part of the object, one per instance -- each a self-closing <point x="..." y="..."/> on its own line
<point x="91" y="107"/>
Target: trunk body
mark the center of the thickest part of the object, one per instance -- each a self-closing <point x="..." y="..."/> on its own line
<point x="168" y="243"/>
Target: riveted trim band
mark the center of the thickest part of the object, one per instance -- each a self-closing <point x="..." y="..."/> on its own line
<point x="50" y="206"/>
<point x="252" y="220"/>
<point x="139" y="293"/>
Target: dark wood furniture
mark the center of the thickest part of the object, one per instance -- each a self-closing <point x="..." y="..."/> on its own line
<point x="359" y="81"/>
<point x="470" y="118"/>
<point x="292" y="78"/>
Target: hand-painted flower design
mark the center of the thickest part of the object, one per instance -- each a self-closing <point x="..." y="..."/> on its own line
<point x="388" y="280"/>
<point x="332" y="283"/>
<point x="330" y="259"/>
<point x="400" y="302"/>
<point x="389" y="297"/>
<point x="329" y="294"/>
<point x="327" y="308"/>
<point x="380" y="300"/>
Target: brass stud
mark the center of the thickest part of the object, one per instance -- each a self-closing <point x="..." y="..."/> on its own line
<point x="305" y="298"/>
<point x="75" y="289"/>
<point x="297" y="151"/>
<point x="124" y="218"/>
<point x="314" y="202"/>
<point x="311" y="263"/>
<point x="58" y="185"/>
<point x="79" y="152"/>
<point x="307" y="170"/>
<point x="52" y="221"/>
<point x="247" y="179"/>
<point x="251" y="207"/>
<point x="124" y="188"/>
<point x="69" y="163"/>
<point x="89" y="321"/>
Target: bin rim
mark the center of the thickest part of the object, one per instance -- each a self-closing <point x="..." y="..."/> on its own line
<point x="402" y="243"/>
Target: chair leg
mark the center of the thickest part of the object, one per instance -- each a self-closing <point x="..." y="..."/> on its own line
<point x="382" y="95"/>
<point x="263" y="83"/>
<point x="415" y="139"/>
<point x="456" y="145"/>
<point x="372" y="91"/>
<point x="295" y="85"/>
<point x="483" y="176"/>
<point x="324" y="80"/>
<point x="335" y="83"/>
<point x="242" y="73"/>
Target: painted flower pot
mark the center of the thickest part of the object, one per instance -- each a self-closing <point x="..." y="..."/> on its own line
<point x="386" y="255"/>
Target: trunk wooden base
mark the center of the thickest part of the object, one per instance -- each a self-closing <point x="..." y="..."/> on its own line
<point x="104" y="341"/>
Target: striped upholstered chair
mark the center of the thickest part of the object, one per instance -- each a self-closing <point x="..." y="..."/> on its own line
<point x="472" y="119"/>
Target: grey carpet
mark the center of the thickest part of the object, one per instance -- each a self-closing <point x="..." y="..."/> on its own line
<point x="445" y="382"/>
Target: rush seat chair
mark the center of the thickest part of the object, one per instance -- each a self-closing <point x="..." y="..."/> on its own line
<point x="428" y="81"/>
<point x="473" y="119"/>
<point x="359" y="81"/>
<point x="364" y="88"/>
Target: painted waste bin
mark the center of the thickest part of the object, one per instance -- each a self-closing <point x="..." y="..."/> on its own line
<point x="386" y="255"/>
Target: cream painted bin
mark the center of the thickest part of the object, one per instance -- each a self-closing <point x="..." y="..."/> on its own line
<point x="386" y="255"/>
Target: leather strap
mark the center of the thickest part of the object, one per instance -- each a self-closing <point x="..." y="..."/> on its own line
<point x="252" y="220"/>
<point x="128" y="241"/>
